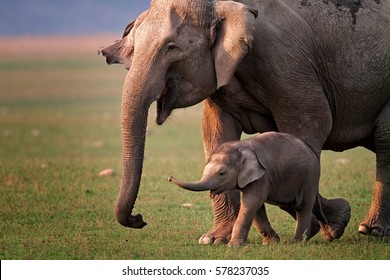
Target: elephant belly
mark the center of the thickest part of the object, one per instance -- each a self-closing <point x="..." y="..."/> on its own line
<point x="347" y="137"/>
<point x="254" y="122"/>
<point x="279" y="204"/>
<point x="282" y="195"/>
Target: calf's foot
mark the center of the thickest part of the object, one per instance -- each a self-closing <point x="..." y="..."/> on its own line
<point x="237" y="242"/>
<point x="270" y="238"/>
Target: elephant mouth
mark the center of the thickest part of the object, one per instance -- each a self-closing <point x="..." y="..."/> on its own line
<point x="165" y="101"/>
<point x="215" y="192"/>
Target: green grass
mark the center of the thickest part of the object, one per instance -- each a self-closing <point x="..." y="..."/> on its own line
<point x="60" y="126"/>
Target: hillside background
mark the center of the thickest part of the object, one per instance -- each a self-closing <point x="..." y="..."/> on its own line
<point x="71" y="17"/>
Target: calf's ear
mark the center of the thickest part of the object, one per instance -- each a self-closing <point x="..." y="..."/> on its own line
<point x="251" y="169"/>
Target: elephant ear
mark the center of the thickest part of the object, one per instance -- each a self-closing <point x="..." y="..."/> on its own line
<point x="251" y="169"/>
<point x="234" y="37"/>
<point x="122" y="50"/>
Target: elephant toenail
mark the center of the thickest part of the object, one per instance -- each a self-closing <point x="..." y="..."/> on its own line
<point x="377" y="232"/>
<point x="206" y="240"/>
<point x="363" y="229"/>
<point x="220" y="241"/>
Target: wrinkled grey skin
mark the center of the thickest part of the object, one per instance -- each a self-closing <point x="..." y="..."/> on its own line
<point x="272" y="167"/>
<point x="318" y="70"/>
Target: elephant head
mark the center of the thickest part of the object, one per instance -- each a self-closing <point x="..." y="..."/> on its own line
<point x="227" y="168"/>
<point x="178" y="53"/>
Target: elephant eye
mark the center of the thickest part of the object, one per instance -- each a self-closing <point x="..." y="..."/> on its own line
<point x="171" y="47"/>
<point x="222" y="172"/>
<point x="173" y="51"/>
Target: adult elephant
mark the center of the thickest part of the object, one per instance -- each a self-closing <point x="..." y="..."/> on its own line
<point x="317" y="69"/>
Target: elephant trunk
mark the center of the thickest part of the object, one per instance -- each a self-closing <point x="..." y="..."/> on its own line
<point x="138" y="94"/>
<point x="202" y="185"/>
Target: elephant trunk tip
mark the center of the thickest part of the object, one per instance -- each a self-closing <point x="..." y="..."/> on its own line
<point x="129" y="220"/>
<point x="176" y="182"/>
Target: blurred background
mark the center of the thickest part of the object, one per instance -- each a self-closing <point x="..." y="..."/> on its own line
<point x="71" y="17"/>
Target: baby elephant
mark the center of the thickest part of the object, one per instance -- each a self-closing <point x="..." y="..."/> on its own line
<point x="272" y="167"/>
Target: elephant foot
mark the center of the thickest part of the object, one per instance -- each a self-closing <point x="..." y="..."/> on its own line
<point x="220" y="235"/>
<point x="271" y="239"/>
<point x="337" y="212"/>
<point x="226" y="207"/>
<point x="299" y="239"/>
<point x="209" y="239"/>
<point x="377" y="222"/>
<point x="376" y="225"/>
<point x="236" y="242"/>
<point x="375" y="230"/>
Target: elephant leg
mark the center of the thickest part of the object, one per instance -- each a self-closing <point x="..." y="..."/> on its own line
<point x="263" y="226"/>
<point x="314" y="126"/>
<point x="377" y="221"/>
<point x="314" y="225"/>
<point x="337" y="212"/>
<point x="226" y="207"/>
<point x="251" y="199"/>
<point x="218" y="127"/>
<point x="304" y="217"/>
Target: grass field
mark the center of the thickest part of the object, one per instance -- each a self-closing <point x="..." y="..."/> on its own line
<point x="60" y="126"/>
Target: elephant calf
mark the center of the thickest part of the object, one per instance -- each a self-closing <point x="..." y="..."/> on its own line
<point x="272" y="167"/>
